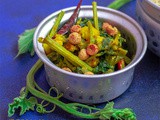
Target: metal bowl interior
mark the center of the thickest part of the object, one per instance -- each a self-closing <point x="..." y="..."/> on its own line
<point x="96" y="88"/>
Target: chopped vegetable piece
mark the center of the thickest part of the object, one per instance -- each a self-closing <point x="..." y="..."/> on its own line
<point x="121" y="64"/>
<point x="65" y="53"/>
<point x="70" y="47"/>
<point x="91" y="32"/>
<point x="56" y="24"/>
<point x="46" y="48"/>
<point x="95" y="16"/>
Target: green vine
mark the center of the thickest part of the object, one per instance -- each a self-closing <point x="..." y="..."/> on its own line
<point x="76" y="109"/>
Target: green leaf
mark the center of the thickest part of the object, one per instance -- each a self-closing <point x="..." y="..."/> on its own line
<point x="116" y="114"/>
<point x="23" y="103"/>
<point x="116" y="4"/>
<point x="25" y="42"/>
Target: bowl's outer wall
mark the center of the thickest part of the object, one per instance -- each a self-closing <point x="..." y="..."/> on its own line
<point x="99" y="88"/>
<point x="150" y="26"/>
<point x="89" y="90"/>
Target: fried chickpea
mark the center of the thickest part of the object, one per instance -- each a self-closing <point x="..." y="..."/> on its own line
<point x="74" y="38"/>
<point x="67" y="69"/>
<point x="109" y="29"/>
<point x="83" y="54"/>
<point x="92" y="49"/>
<point x="75" y="28"/>
<point x="89" y="73"/>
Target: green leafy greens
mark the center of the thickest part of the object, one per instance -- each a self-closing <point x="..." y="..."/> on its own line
<point x="103" y="67"/>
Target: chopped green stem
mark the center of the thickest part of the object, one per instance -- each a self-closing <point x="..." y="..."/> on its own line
<point x="95" y="16"/>
<point x="84" y="106"/>
<point x="118" y="4"/>
<point x="92" y="40"/>
<point x="56" y="24"/>
<point x="65" y="53"/>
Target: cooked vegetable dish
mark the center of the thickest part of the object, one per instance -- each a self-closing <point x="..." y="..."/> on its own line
<point x="88" y="46"/>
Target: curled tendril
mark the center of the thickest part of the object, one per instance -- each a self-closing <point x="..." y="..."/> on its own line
<point x="58" y="95"/>
<point x="41" y="108"/>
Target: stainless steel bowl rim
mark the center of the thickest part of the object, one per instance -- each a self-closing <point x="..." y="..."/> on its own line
<point x="151" y="9"/>
<point x="153" y="4"/>
<point x="129" y="66"/>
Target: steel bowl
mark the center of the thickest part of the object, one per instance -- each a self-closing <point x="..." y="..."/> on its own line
<point x="151" y="9"/>
<point x="94" y="88"/>
<point x="148" y="16"/>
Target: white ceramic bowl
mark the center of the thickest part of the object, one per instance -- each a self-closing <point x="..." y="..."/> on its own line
<point x="94" y="88"/>
<point x="148" y="16"/>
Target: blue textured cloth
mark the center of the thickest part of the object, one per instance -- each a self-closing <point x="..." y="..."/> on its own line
<point x="143" y="96"/>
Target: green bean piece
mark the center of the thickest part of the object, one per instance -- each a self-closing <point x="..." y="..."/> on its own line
<point x="92" y="40"/>
<point x="56" y="24"/>
<point x="65" y="53"/>
<point x="95" y="16"/>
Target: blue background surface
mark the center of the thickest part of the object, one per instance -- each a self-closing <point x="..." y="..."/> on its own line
<point x="143" y="96"/>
